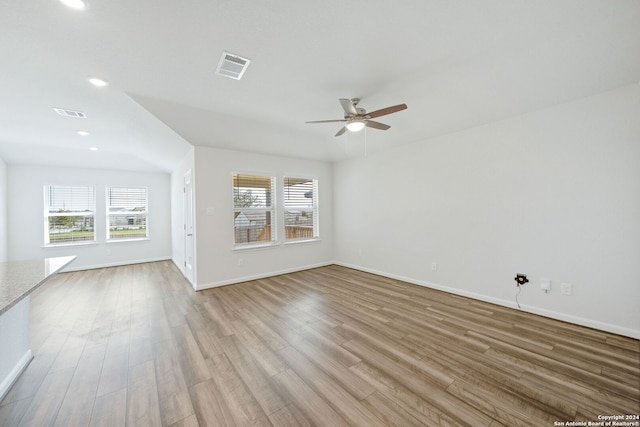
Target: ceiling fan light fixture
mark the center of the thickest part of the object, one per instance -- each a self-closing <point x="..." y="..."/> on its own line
<point x="355" y="125"/>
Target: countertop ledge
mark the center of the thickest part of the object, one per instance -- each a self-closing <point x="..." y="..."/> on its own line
<point x="19" y="278"/>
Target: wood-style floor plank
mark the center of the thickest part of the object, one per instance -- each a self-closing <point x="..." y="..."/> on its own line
<point x="136" y="346"/>
<point x="79" y="400"/>
<point x="45" y="405"/>
<point x="143" y="408"/>
<point x="173" y="393"/>
<point x="110" y="409"/>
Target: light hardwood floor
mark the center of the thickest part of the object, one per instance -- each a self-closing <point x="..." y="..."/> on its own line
<point x="136" y="346"/>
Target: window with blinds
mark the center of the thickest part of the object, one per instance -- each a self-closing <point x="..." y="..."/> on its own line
<point x="300" y="208"/>
<point x="69" y="214"/>
<point x="253" y="210"/>
<point x="126" y="213"/>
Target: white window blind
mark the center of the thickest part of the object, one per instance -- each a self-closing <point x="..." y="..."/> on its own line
<point x="126" y="213"/>
<point x="253" y="209"/>
<point x="70" y="214"/>
<point x="300" y="208"/>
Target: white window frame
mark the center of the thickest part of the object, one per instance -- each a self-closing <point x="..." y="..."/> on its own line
<point x="242" y="215"/>
<point x="89" y="212"/>
<point x="294" y="203"/>
<point x="132" y="214"/>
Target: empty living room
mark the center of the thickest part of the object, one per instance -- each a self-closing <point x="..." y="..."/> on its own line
<point x="349" y="213"/>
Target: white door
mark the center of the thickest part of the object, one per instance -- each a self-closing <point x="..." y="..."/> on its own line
<point x="188" y="228"/>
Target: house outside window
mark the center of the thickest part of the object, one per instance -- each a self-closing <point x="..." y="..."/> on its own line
<point x="253" y="210"/>
<point x="69" y="214"/>
<point x="126" y="213"/>
<point x="300" y="208"/>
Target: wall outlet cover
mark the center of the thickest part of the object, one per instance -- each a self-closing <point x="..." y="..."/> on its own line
<point x="545" y="284"/>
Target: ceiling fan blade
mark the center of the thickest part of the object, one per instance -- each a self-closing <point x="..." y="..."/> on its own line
<point x="376" y="125"/>
<point x="326" y="121"/>
<point x="388" y="110"/>
<point x="341" y="131"/>
<point x="348" y="106"/>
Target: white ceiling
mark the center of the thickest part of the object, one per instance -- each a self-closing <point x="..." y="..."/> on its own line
<point x="456" y="64"/>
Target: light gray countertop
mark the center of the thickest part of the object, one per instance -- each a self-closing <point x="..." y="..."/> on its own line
<point x="19" y="278"/>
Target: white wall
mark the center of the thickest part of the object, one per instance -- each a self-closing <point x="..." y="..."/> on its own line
<point x="553" y="194"/>
<point x="217" y="262"/>
<point x="26" y="221"/>
<point x="3" y="211"/>
<point x="177" y="210"/>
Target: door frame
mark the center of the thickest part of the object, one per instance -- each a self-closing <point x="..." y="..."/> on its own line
<point x="189" y="228"/>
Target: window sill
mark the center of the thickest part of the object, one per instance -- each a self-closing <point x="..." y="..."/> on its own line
<point x="141" y="239"/>
<point x="66" y="245"/>
<point x="299" y="241"/>
<point x="250" y="247"/>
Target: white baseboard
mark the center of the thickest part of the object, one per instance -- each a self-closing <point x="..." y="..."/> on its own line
<point x="210" y="285"/>
<point x="15" y="373"/>
<point x="73" y="267"/>
<point x="632" y="333"/>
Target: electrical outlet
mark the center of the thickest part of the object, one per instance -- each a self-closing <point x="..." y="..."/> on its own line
<point x="434" y="266"/>
<point x="566" y="289"/>
<point x="545" y="284"/>
<point x="240" y="262"/>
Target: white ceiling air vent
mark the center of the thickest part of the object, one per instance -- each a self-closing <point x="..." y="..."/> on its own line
<point x="70" y="113"/>
<point x="232" y="65"/>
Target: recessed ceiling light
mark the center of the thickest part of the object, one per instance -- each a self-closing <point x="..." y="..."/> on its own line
<point x="82" y="132"/>
<point x="75" y="4"/>
<point x="93" y="148"/>
<point x="98" y="82"/>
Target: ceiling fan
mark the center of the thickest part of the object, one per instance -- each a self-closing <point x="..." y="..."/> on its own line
<point x="356" y="118"/>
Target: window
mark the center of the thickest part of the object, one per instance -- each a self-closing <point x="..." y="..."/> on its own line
<point x="69" y="215"/>
<point x="253" y="209"/>
<point x="300" y="208"/>
<point x="126" y="213"/>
